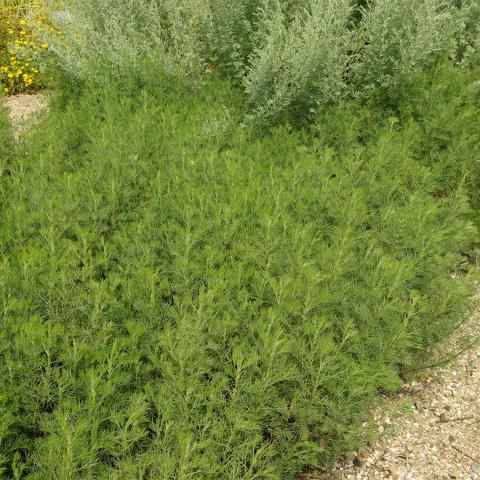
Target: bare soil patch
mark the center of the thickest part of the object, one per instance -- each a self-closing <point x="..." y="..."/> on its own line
<point x="22" y="109"/>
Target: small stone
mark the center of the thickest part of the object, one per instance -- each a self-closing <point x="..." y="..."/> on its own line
<point x="447" y="408"/>
<point x="475" y="467"/>
<point x="357" y="462"/>
<point x="392" y="471"/>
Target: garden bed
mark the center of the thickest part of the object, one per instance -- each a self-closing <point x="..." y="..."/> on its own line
<point x="208" y="271"/>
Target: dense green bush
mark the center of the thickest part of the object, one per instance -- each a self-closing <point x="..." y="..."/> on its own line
<point x="229" y="31"/>
<point x="187" y="296"/>
<point x="184" y="299"/>
<point x="445" y="104"/>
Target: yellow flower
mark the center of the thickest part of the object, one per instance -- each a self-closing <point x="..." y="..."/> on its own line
<point x="10" y="75"/>
<point x="44" y="45"/>
<point x="22" y="22"/>
<point x="6" y="90"/>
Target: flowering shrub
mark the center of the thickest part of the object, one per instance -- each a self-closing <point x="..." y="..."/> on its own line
<point x="21" y="51"/>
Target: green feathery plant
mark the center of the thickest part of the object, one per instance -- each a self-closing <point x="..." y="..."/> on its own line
<point x="5" y="138"/>
<point x="183" y="299"/>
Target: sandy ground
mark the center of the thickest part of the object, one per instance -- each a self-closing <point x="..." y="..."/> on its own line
<point x="429" y="431"/>
<point x="22" y="107"/>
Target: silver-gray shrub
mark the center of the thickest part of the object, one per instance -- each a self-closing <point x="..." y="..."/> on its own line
<point x="181" y="37"/>
<point x="298" y="65"/>
<point x="293" y="56"/>
<point x="117" y="37"/>
<point x="398" y="38"/>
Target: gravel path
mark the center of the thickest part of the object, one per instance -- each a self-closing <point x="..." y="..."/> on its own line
<point x="429" y="431"/>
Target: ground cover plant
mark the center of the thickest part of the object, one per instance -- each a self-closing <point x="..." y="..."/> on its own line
<point x="5" y="137"/>
<point x="204" y="280"/>
<point x="194" y="301"/>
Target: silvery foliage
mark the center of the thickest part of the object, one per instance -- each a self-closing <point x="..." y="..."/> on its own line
<point x="398" y="38"/>
<point x="117" y="37"/>
<point x="294" y="57"/>
<point x="298" y="66"/>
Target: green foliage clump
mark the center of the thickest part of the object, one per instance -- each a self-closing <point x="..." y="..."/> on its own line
<point x="5" y="138"/>
<point x="446" y="106"/>
<point x="229" y="32"/>
<point x="183" y="299"/>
